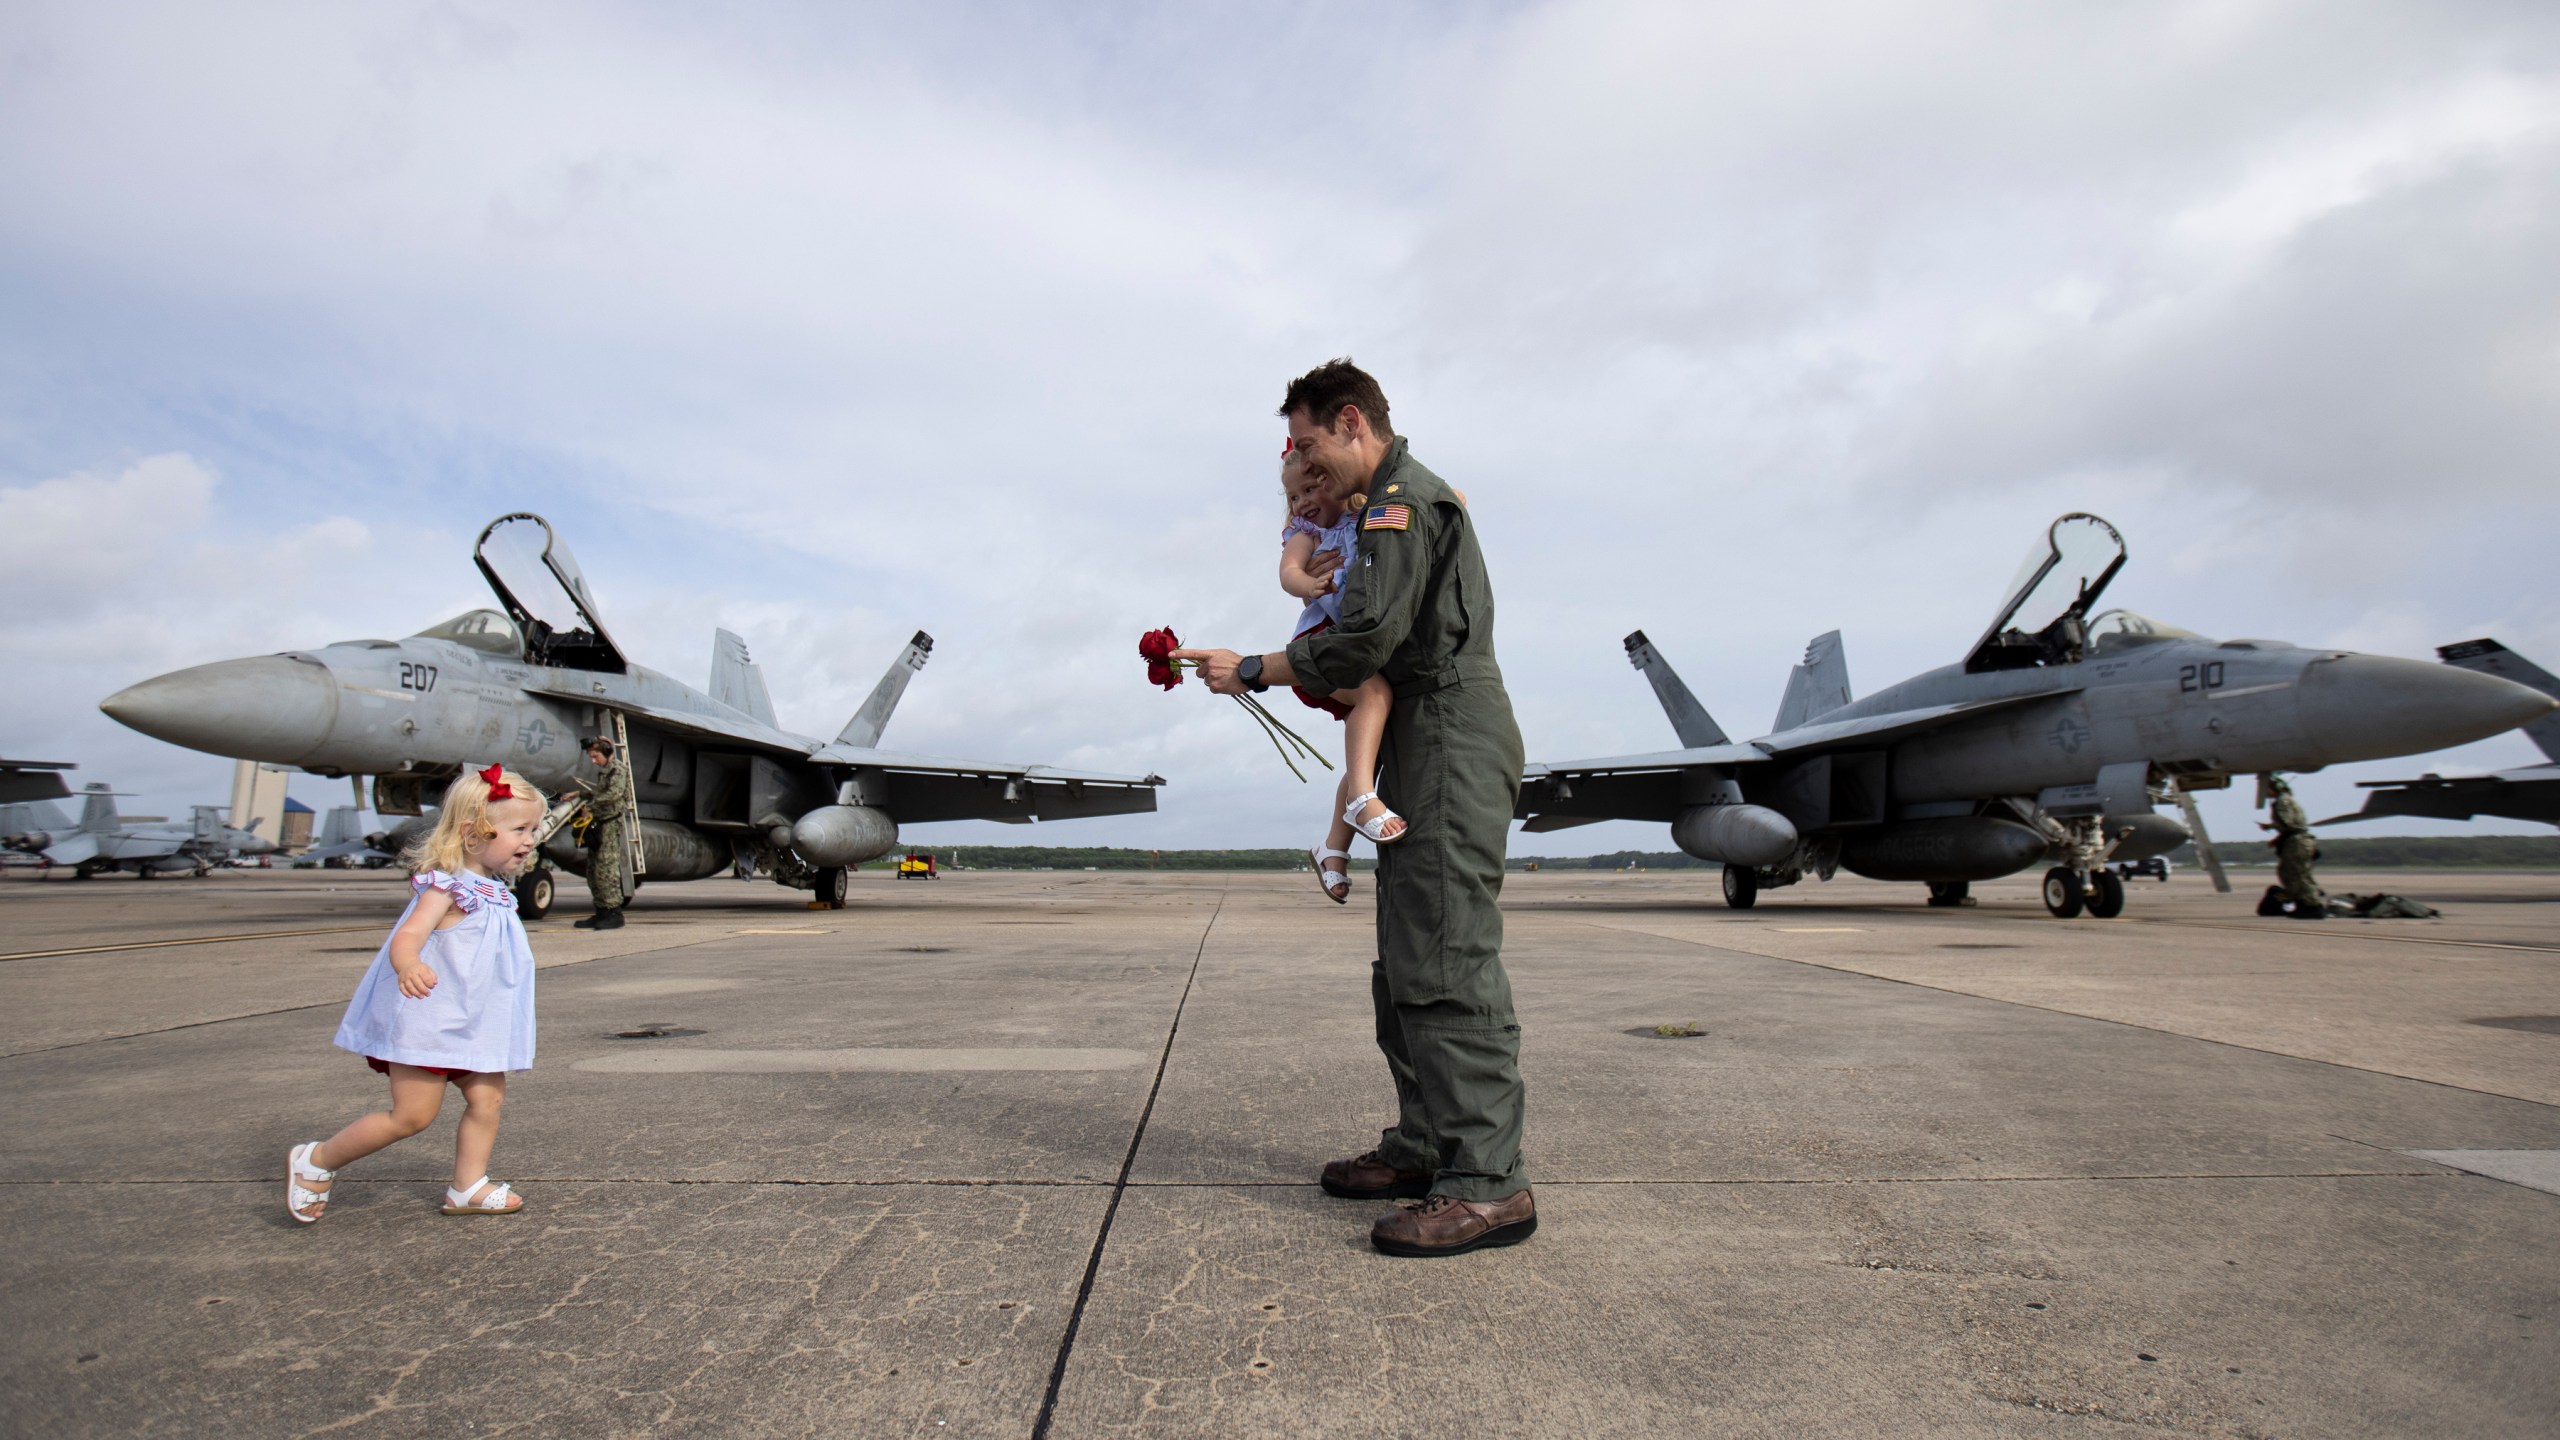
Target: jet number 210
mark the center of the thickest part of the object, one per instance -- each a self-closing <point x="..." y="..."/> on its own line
<point x="422" y="678"/>
<point x="2207" y="676"/>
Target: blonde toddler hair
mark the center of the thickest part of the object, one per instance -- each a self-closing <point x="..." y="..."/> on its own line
<point x="462" y="820"/>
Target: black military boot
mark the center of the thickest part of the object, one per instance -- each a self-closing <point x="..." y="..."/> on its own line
<point x="609" y="919"/>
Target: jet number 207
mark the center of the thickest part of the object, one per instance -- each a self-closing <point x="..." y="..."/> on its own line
<point x="2207" y="676"/>
<point x="422" y="678"/>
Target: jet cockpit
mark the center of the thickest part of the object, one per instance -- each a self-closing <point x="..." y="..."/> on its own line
<point x="2046" y="618"/>
<point x="484" y="630"/>
<point x="539" y="582"/>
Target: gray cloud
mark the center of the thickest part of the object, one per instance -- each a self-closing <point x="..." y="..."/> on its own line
<point x="1738" y="324"/>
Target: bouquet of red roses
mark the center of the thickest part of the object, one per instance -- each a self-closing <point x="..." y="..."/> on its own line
<point x="1156" y="647"/>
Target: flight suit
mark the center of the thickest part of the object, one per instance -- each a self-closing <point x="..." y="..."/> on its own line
<point x="2296" y="849"/>
<point x="609" y="836"/>
<point x="1417" y="608"/>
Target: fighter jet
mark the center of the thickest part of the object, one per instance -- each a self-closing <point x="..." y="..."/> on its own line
<point x="344" y="845"/>
<point x="2052" y="742"/>
<point x="716" y="778"/>
<point x="2531" y="792"/>
<point x="105" y="841"/>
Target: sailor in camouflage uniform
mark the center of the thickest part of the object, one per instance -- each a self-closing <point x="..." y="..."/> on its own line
<point x="608" y="835"/>
<point x="1418" y="608"/>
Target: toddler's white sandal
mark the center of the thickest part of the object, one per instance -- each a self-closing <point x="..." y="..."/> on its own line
<point x="493" y="1200"/>
<point x="1374" y="829"/>
<point x="1329" y="879"/>
<point x="297" y="1168"/>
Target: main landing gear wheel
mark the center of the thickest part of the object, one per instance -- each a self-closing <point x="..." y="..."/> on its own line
<point x="1949" y="894"/>
<point x="2106" y="894"/>
<point x="830" y="887"/>
<point x="534" y="894"/>
<point x="1741" y="886"/>
<point x="2065" y="893"/>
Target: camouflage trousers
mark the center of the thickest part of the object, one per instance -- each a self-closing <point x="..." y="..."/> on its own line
<point x="2294" y="875"/>
<point x="607" y="864"/>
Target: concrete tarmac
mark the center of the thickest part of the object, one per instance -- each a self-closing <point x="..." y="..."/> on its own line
<point x="1020" y="1153"/>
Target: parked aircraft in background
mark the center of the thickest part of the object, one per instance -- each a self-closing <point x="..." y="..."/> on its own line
<point x="2052" y="742"/>
<point x="343" y="844"/>
<point x="148" y="846"/>
<point x="717" y="779"/>
<point x="2530" y="792"/>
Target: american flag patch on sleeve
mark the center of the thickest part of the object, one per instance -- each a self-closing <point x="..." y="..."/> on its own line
<point x="1388" y="517"/>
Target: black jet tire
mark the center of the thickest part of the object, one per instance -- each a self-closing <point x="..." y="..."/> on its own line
<point x="534" y="894"/>
<point x="1741" y="887"/>
<point x="2065" y="894"/>
<point x="1947" y="894"/>
<point x="831" y="886"/>
<point x="2106" y="894"/>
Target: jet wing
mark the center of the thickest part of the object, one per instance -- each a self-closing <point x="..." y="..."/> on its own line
<point x="1620" y="787"/>
<point x="1895" y="725"/>
<point x="2532" y="793"/>
<point x="919" y="788"/>
<point x="74" y="849"/>
<point x="729" y="727"/>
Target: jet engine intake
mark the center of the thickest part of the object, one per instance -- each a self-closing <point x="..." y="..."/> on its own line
<point x="1735" y="834"/>
<point x="834" y="835"/>
<point x="1974" y="847"/>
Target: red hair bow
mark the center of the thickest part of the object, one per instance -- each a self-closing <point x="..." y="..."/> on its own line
<point x="499" y="789"/>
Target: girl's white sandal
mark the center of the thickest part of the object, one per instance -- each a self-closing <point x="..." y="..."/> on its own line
<point x="493" y="1201"/>
<point x="1330" y="878"/>
<point x="298" y="1169"/>
<point x="1374" y="829"/>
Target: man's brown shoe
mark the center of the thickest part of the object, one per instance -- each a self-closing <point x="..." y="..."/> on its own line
<point x="1366" y="1177"/>
<point x="1442" y="1225"/>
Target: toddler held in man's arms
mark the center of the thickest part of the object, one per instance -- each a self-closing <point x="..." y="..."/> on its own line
<point x="1316" y="547"/>
<point x="448" y="998"/>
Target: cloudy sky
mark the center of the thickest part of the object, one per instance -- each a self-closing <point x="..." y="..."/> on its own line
<point x="829" y="323"/>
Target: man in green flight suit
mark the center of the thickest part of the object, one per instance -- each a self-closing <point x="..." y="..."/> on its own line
<point x="2296" y="850"/>
<point x="1417" y="608"/>
<point x="608" y="835"/>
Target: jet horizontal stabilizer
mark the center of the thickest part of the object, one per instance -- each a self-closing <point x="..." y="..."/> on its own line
<point x="2491" y="658"/>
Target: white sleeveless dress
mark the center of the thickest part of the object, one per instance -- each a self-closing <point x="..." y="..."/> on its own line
<point x="480" y="1015"/>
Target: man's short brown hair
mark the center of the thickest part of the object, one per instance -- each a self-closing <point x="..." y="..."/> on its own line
<point x="1323" y="391"/>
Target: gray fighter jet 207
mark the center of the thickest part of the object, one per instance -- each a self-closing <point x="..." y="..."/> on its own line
<point x="2052" y="742"/>
<point x="2530" y="792"/>
<point x="104" y="840"/>
<point x="715" y="777"/>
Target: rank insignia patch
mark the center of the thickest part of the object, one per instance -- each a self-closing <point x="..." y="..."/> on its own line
<point x="1388" y="517"/>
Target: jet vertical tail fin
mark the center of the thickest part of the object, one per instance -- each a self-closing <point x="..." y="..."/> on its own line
<point x="1817" y="686"/>
<point x="867" y="723"/>
<point x="2491" y="658"/>
<point x="98" y="811"/>
<point x="1689" y="719"/>
<point x="736" y="681"/>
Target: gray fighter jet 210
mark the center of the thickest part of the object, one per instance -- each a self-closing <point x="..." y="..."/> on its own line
<point x="105" y="840"/>
<point x="2531" y="792"/>
<point x="716" y="778"/>
<point x="2052" y="743"/>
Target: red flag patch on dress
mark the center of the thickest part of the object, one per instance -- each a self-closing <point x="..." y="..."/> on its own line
<point x="1388" y="517"/>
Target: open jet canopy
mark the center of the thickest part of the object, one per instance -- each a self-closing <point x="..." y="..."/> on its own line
<point x="538" y="581"/>
<point x="2046" y="618"/>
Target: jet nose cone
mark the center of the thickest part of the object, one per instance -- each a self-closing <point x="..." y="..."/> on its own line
<point x="2371" y="707"/>
<point x="274" y="708"/>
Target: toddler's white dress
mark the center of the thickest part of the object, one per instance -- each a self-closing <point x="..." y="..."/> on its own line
<point x="480" y="1015"/>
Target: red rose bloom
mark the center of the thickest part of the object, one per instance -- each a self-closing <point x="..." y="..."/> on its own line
<point x="1157" y="645"/>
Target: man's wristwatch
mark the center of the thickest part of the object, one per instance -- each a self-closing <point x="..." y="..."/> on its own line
<point x="1249" y="670"/>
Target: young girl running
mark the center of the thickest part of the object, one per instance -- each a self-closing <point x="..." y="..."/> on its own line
<point x="1315" y="556"/>
<point x="449" y="997"/>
